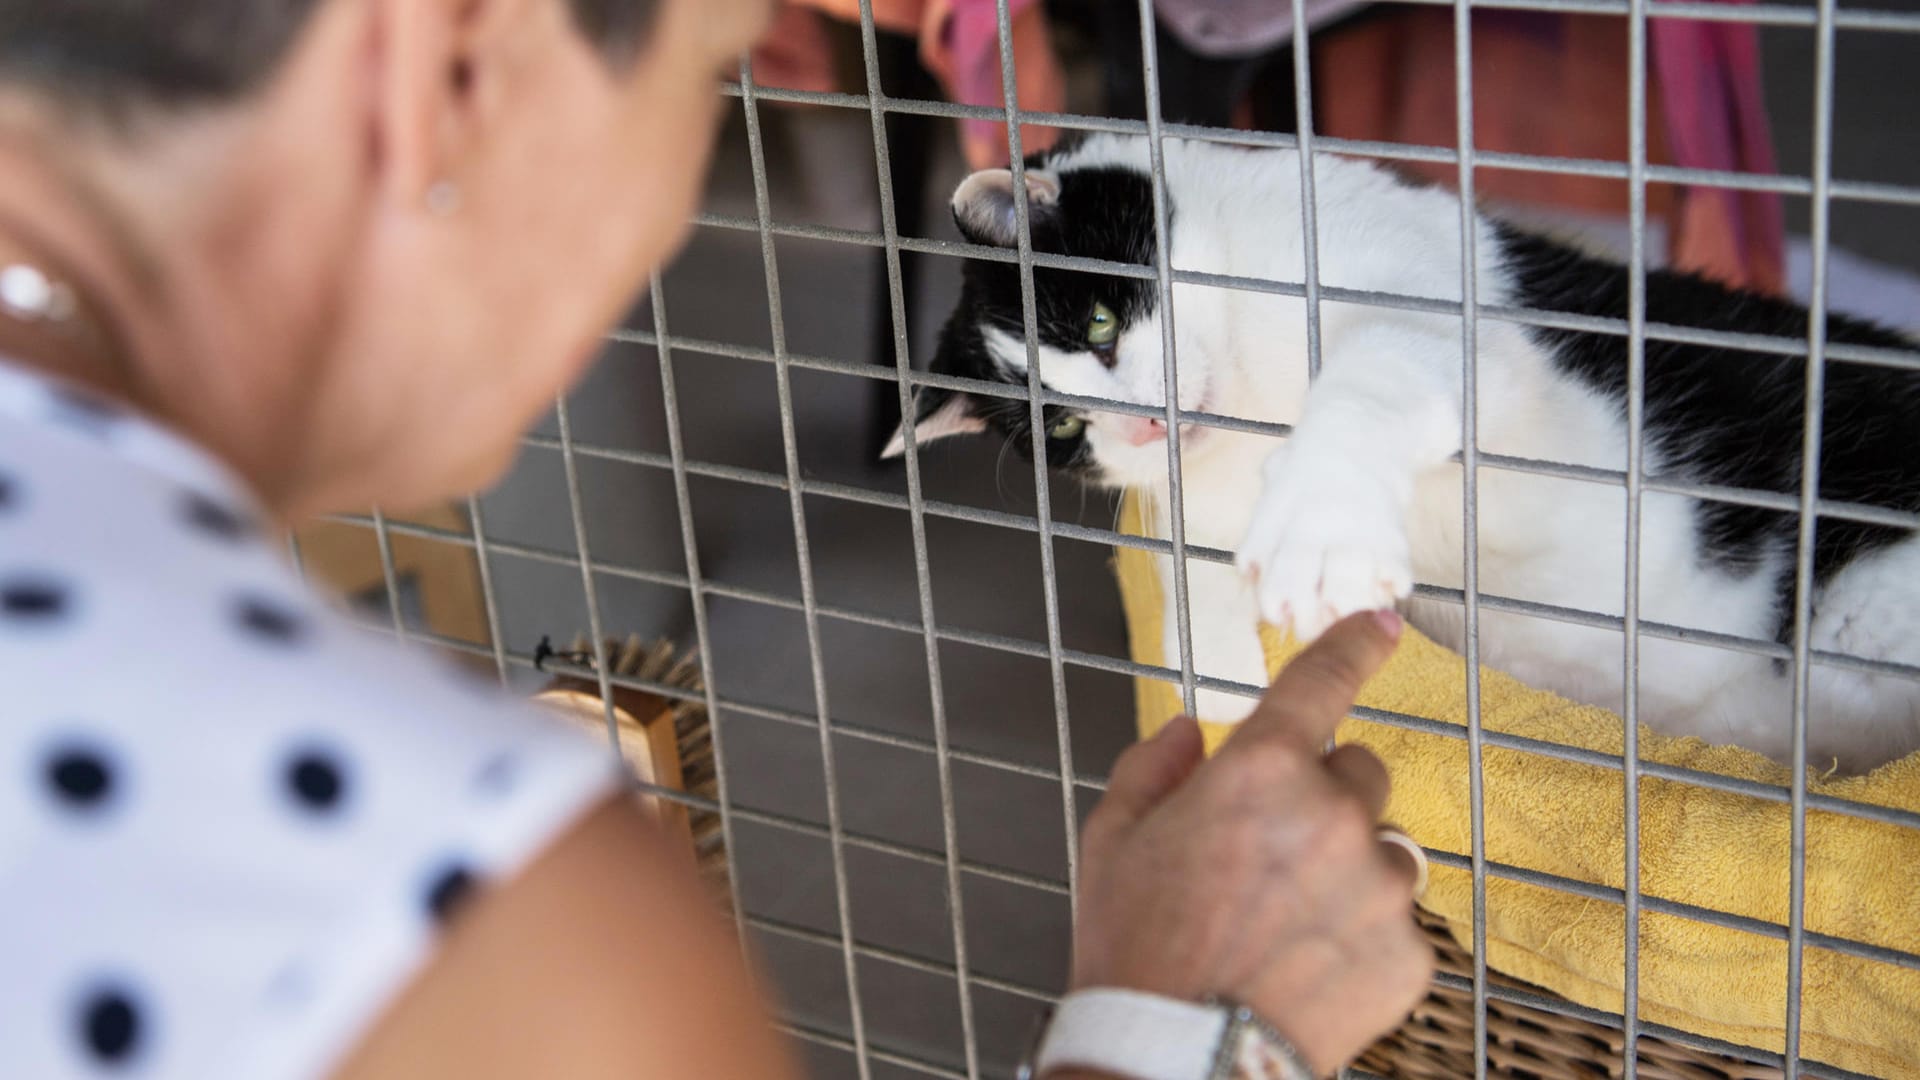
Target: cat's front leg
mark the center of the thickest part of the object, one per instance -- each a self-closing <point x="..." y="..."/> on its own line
<point x="1226" y="637"/>
<point x="1329" y="533"/>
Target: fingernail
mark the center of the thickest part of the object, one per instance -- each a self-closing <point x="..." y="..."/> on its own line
<point x="1390" y="623"/>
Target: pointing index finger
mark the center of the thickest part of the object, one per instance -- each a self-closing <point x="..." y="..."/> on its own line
<point x="1314" y="692"/>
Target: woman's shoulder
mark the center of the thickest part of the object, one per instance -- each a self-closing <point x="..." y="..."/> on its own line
<point x="231" y="819"/>
<point x="134" y="571"/>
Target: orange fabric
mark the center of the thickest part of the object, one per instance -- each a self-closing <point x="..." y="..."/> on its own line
<point x="899" y="16"/>
<point x="1701" y="240"/>
<point x="1553" y="85"/>
<point x="1392" y="78"/>
<point x="795" y="54"/>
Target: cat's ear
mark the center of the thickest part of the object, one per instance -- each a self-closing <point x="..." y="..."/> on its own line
<point x="952" y="415"/>
<point x="983" y="205"/>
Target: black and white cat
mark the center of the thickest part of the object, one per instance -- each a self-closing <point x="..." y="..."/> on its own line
<point x="1363" y="500"/>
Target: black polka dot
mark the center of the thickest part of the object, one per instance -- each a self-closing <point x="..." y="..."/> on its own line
<point x="448" y="890"/>
<point x="110" y="1026"/>
<point x="317" y="780"/>
<point x="216" y="520"/>
<point x="291" y="986"/>
<point x="85" y="411"/>
<point x="269" y="620"/>
<point x="32" y="600"/>
<point x="80" y="777"/>
<point x="496" y="775"/>
<point x="9" y="493"/>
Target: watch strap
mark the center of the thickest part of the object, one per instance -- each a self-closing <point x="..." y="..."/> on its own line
<point x="1145" y="1036"/>
<point x="1133" y="1034"/>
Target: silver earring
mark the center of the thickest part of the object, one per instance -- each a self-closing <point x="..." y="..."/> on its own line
<point x="443" y="198"/>
<point x="29" y="294"/>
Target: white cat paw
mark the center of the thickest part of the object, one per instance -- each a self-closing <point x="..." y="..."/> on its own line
<point x="1324" y="546"/>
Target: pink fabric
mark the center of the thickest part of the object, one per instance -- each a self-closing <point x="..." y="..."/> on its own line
<point x="1709" y="76"/>
<point x="972" y="39"/>
<point x="961" y="45"/>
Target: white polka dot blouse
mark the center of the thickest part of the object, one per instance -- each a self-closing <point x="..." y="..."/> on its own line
<point x="230" y="820"/>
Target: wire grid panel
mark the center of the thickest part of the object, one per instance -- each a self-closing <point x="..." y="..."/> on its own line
<point x="872" y="1053"/>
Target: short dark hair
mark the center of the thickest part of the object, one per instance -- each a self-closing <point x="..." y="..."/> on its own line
<point x="115" y="57"/>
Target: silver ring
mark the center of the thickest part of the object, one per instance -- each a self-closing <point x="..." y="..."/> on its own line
<point x="1389" y="834"/>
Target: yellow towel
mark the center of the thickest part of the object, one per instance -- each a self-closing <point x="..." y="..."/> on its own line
<point x="1698" y="846"/>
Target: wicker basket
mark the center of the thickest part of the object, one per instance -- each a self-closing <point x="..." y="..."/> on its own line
<point x="671" y="740"/>
<point x="667" y="740"/>
<point x="1436" y="1042"/>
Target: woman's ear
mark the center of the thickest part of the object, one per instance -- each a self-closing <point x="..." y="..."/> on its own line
<point x="983" y="205"/>
<point x="411" y="51"/>
<point x="940" y="413"/>
<point x="429" y="61"/>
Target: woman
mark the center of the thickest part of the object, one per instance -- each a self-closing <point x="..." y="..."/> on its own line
<point x="261" y="259"/>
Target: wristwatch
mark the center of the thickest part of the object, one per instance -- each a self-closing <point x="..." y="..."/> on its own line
<point x="1147" y="1037"/>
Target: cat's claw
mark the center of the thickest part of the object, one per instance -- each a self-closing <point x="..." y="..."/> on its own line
<point x="1323" y="548"/>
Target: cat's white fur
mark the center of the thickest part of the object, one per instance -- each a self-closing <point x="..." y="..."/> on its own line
<point x="1362" y="501"/>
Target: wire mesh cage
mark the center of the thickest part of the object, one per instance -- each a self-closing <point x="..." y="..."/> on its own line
<point x="910" y="879"/>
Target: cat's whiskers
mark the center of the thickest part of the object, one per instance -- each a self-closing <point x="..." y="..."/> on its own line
<point x="999" y="475"/>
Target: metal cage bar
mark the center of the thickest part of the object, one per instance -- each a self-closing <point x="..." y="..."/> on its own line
<point x="1635" y="487"/>
<point x="1470" y="495"/>
<point x="476" y="519"/>
<point x="1637" y="330"/>
<point x="922" y="571"/>
<point x="1309" y="202"/>
<point x="696" y="593"/>
<point x="1838" y="511"/>
<point x="1899" y="359"/>
<point x="1828" y="508"/>
<point x="1309" y="210"/>
<point x="1036" y="418"/>
<point x="1496" y="870"/>
<point x="1847" y="190"/>
<point x="590" y="589"/>
<point x="1169" y="356"/>
<point x="296" y="555"/>
<point x="384" y="542"/>
<point x="770" y="265"/>
<point x="1815" y="384"/>
<point x="1121" y="666"/>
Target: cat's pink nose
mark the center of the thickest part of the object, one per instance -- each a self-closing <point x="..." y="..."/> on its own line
<point x="1139" y="430"/>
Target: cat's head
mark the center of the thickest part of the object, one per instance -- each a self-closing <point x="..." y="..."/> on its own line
<point x="1098" y="335"/>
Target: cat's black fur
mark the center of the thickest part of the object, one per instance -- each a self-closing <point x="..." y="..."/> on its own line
<point x="1733" y="417"/>
<point x="1716" y="415"/>
<point x="1728" y="418"/>
<point x="1104" y="214"/>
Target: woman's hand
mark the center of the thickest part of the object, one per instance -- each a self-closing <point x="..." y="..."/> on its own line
<point x="1257" y="875"/>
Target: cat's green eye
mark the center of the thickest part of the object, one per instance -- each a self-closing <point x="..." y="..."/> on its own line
<point x="1067" y="427"/>
<point x="1103" y="327"/>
